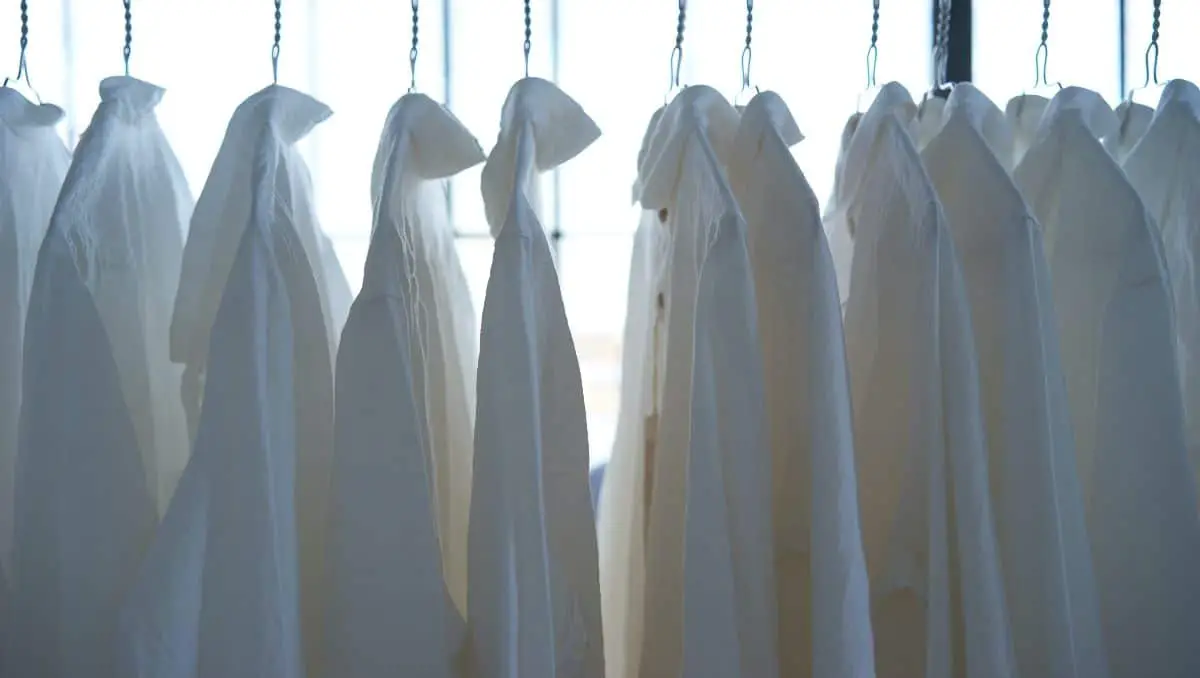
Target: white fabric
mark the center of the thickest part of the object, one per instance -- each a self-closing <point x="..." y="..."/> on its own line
<point x="534" y="599"/>
<point x="337" y="286"/>
<point x="853" y="161"/>
<point x="1133" y="119"/>
<point x="937" y="595"/>
<point x="221" y="213"/>
<point x="927" y="121"/>
<point x="709" y="590"/>
<point x="430" y="144"/>
<point x="127" y="223"/>
<point x="1024" y="114"/>
<point x="1165" y="170"/>
<point x="824" y="605"/>
<point x="231" y="584"/>
<point x="390" y="611"/>
<point x="33" y="163"/>
<point x="1112" y="296"/>
<point x="1040" y="524"/>
<point x="85" y="506"/>
<point x="621" y="512"/>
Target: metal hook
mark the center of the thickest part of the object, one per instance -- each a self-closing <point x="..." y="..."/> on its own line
<point x="275" y="46"/>
<point x="128" y="35"/>
<point x="873" y="50"/>
<point x="677" y="50"/>
<point x="1041" y="58"/>
<point x="412" y="52"/>
<point x="528" y="34"/>
<point x="1154" y="26"/>
<point x="941" y="44"/>
<point x="746" y="52"/>
<point x="22" y="64"/>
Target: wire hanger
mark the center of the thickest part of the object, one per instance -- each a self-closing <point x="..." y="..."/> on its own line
<point x="1151" y="82"/>
<point x="128" y="50"/>
<point x="872" y="61"/>
<point x="22" y="64"/>
<point x="747" y="92"/>
<point x="677" y="53"/>
<point x="275" y="46"/>
<point x="528" y="34"/>
<point x="1041" y="59"/>
<point x="941" y="53"/>
<point x="412" y="52"/>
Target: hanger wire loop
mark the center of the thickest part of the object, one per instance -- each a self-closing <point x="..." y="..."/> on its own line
<point x="1041" y="58"/>
<point x="412" y="52"/>
<point x="128" y="50"/>
<point x="275" y="46"/>
<point x="1152" y="70"/>
<point x="22" y="65"/>
<point x="873" y="50"/>
<point x="528" y="34"/>
<point x="677" y="50"/>
<point x="746" y="51"/>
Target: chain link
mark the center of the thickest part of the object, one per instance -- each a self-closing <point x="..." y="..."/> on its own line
<point x="275" y="46"/>
<point x="1041" y="58"/>
<point x="1152" y="71"/>
<point x="677" y="51"/>
<point x="412" y="52"/>
<point x="873" y="50"/>
<point x="22" y="67"/>
<point x="746" y="52"/>
<point x="528" y="34"/>
<point x="128" y="34"/>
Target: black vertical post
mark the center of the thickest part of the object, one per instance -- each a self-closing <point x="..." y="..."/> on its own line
<point x="958" y="62"/>
<point x="1122" y="30"/>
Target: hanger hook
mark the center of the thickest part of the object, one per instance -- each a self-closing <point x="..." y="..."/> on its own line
<point x="1041" y="58"/>
<point x="528" y="34"/>
<point x="677" y="50"/>
<point x="412" y="52"/>
<point x="275" y="46"/>
<point x="22" y="65"/>
<point x="873" y="50"/>
<point x="746" y="52"/>
<point x="128" y="34"/>
<point x="1152" y="72"/>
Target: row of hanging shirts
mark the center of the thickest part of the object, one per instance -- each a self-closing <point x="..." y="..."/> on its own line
<point x="988" y="473"/>
<point x="981" y="471"/>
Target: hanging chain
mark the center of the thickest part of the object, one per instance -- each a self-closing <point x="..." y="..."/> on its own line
<point x="677" y="51"/>
<point x="1042" y="57"/>
<point x="128" y="34"/>
<point x="873" y="50"/>
<point x="1153" y="45"/>
<point x="275" y="46"/>
<point x="528" y="34"/>
<point x="746" y="54"/>
<point x="941" y="43"/>
<point x="22" y="67"/>
<point x="412" y="52"/>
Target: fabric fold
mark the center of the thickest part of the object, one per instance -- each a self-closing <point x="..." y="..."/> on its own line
<point x="824" y="606"/>
<point x="232" y="585"/>
<point x="1112" y="295"/>
<point x="534" y="602"/>
<point x="1036" y="498"/>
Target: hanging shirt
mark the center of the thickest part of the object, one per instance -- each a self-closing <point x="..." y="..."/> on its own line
<point x="709" y="590"/>
<point x="33" y="161"/>
<point x="927" y="121"/>
<point x="937" y="595"/>
<point x="852" y="160"/>
<point x="620" y="523"/>
<point x="1112" y="295"/>
<point x="337" y="287"/>
<point x="1040" y="524"/>
<point x="533" y="597"/>
<point x="1133" y="119"/>
<point x="1024" y="114"/>
<point x="96" y="357"/>
<point x="824" y="608"/>
<point x="1165" y="170"/>
<point x="231" y="584"/>
<point x="430" y="145"/>
<point x="390" y="612"/>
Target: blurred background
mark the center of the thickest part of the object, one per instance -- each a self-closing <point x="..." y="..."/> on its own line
<point x="610" y="55"/>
